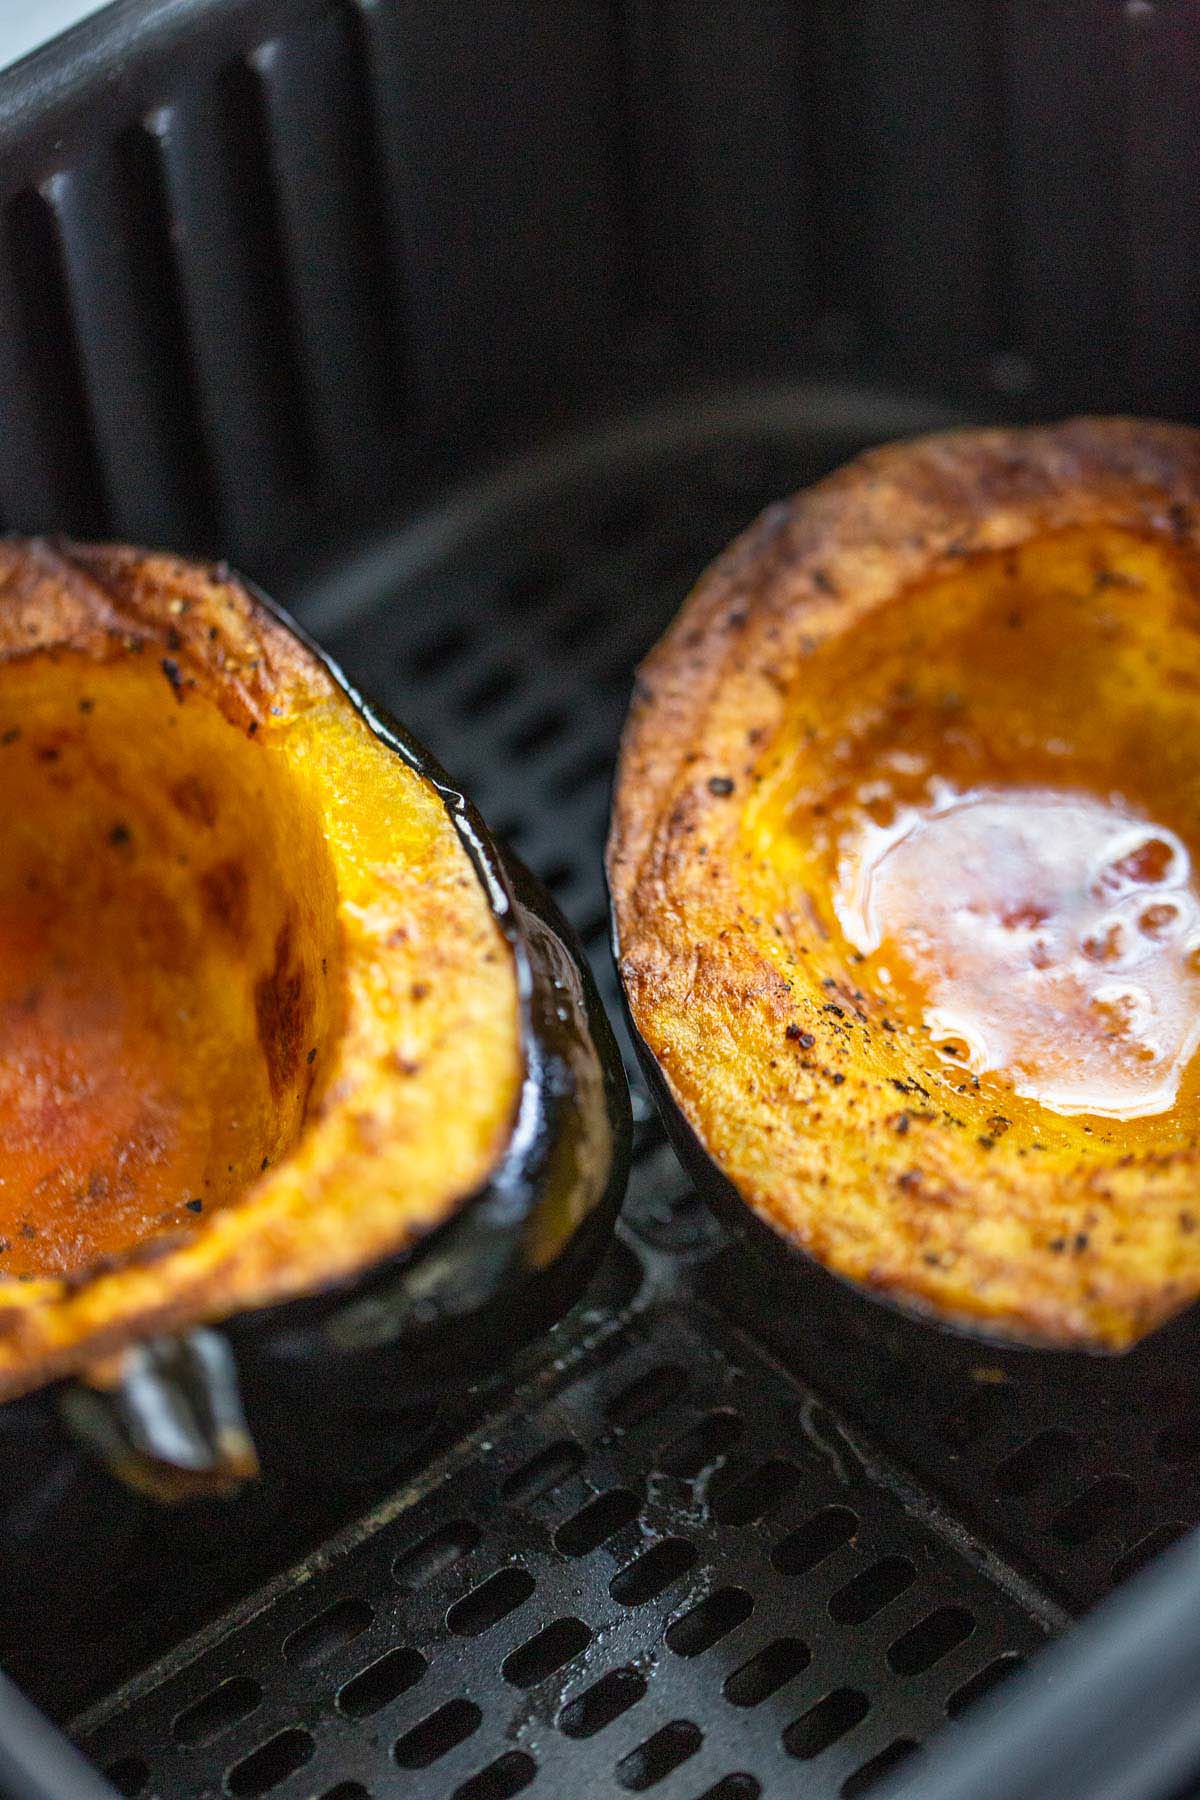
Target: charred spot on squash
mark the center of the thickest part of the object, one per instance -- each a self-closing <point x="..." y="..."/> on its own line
<point x="225" y="890"/>
<point x="283" y="1009"/>
<point x="195" y="799"/>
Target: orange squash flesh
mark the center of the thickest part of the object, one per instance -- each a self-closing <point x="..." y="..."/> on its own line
<point x="259" y="1027"/>
<point x="904" y="875"/>
<point x="164" y="995"/>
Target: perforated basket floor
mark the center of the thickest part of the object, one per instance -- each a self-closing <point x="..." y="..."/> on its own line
<point x="655" y="1559"/>
<point x="664" y="1567"/>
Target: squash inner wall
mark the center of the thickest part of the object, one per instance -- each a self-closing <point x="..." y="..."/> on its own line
<point x="169" y="961"/>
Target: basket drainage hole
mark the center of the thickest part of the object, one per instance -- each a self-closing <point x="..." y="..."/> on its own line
<point x="983" y="1681"/>
<point x="596" y="1521"/>
<point x="539" y="731"/>
<point x="381" y="1681"/>
<point x="501" y="1779"/>
<point x="603" y="1702"/>
<point x="698" y="1448"/>
<point x="543" y="1472"/>
<point x="346" y="1790"/>
<point x="1093" y="1510"/>
<point x="436" y="653"/>
<point x="593" y="928"/>
<point x="331" y="1630"/>
<point x="824" y="1723"/>
<point x="767" y="1672"/>
<point x="758" y="1494"/>
<point x="271" y="1763"/>
<point x="487" y="692"/>
<point x="224" y="1706"/>
<point x="659" y="1756"/>
<point x="818" y="1537"/>
<point x="651" y="1572"/>
<point x="706" y="1624"/>
<point x="934" y="1637"/>
<point x="577" y="622"/>
<point x="490" y="1602"/>
<point x="557" y="875"/>
<point x="548" y="1651"/>
<point x="438" y="1734"/>
<point x="596" y="766"/>
<point x="896" y="1753"/>
<point x="534" y="585"/>
<point x="129" y="1775"/>
<point x="435" y="1554"/>
<point x="734" y="1787"/>
<point x="871" y="1591"/>
<point x="657" y="1388"/>
<point x="1048" y="1454"/>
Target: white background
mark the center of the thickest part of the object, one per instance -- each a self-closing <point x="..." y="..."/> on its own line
<point x="24" y="24"/>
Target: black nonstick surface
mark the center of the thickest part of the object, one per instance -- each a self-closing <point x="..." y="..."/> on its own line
<point x="656" y="1557"/>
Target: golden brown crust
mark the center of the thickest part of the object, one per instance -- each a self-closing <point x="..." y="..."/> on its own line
<point x="202" y="625"/>
<point x="707" y="991"/>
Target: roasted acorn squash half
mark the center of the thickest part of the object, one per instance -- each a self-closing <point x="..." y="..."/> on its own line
<point x="904" y="877"/>
<point x="285" y="1042"/>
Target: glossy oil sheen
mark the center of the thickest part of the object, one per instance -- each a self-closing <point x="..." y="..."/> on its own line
<point x="1053" y="936"/>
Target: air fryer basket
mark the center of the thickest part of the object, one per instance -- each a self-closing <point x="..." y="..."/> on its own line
<point x="473" y="332"/>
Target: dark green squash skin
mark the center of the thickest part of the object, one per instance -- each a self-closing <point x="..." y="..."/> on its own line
<point x="447" y="1311"/>
<point x="781" y="1292"/>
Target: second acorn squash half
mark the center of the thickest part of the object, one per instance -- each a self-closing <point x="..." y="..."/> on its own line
<point x="903" y="868"/>
<point x="277" y="1019"/>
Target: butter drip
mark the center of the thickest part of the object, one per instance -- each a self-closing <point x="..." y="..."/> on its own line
<point x="1053" y="939"/>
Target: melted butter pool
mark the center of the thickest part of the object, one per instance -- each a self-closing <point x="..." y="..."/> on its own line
<point x="1053" y="939"/>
